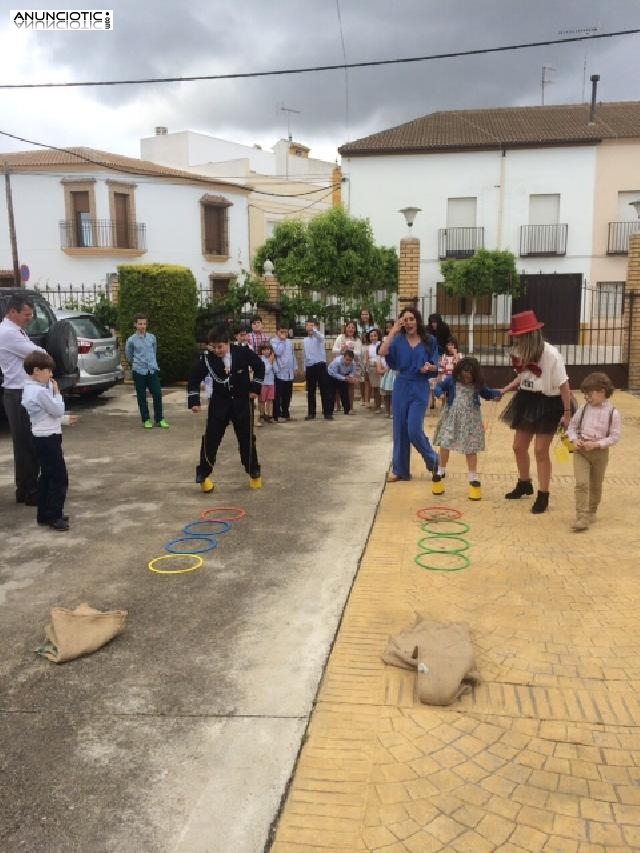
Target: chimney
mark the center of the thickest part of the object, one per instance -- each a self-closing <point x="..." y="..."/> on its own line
<point x="162" y="131"/>
<point x="594" y="86"/>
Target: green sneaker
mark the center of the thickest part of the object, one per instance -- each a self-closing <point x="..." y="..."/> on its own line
<point x="148" y="424"/>
<point x="163" y="424"/>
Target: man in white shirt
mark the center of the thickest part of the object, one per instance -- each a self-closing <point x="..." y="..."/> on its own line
<point x="15" y="345"/>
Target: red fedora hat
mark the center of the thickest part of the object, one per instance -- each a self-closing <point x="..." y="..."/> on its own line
<point x="524" y="322"/>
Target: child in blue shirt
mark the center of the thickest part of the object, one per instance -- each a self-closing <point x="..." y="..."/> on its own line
<point x="141" y="352"/>
<point x="44" y="404"/>
<point x="342" y="372"/>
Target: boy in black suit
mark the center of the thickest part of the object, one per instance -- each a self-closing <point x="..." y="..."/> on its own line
<point x="236" y="373"/>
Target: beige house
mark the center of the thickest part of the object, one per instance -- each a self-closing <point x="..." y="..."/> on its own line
<point x="286" y="183"/>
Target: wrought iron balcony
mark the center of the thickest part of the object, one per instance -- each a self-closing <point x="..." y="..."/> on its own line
<point x="543" y="240"/>
<point x="459" y="242"/>
<point x="102" y="234"/>
<point x="619" y="233"/>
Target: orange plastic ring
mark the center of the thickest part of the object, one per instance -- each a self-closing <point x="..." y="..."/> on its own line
<point x="207" y="515"/>
<point x="438" y="512"/>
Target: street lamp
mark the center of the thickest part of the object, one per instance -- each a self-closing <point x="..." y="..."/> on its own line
<point x="410" y="214"/>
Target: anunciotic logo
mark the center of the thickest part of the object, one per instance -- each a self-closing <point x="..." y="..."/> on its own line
<point x="62" y="19"/>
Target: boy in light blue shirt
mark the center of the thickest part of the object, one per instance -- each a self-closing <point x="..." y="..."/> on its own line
<point x="284" y="366"/>
<point x="342" y="371"/>
<point x="44" y="404"/>
<point x="141" y="352"/>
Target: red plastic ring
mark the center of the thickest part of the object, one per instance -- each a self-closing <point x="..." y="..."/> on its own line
<point x="436" y="512"/>
<point x="207" y="515"/>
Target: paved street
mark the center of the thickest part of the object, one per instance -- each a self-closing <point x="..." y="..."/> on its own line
<point x="545" y="755"/>
<point x="181" y="734"/>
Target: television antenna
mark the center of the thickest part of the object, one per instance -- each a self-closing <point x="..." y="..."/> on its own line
<point x="582" y="31"/>
<point x="289" y="111"/>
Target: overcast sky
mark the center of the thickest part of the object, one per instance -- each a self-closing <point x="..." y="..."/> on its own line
<point x="177" y="38"/>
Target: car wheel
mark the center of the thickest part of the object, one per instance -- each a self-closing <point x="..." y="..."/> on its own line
<point x="62" y="346"/>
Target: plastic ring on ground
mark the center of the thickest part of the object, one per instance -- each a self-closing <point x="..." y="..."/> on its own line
<point x="441" y="538"/>
<point x="434" y="513"/>
<point x="425" y="527"/>
<point x="189" y="530"/>
<point x="199" y="562"/>
<point x="431" y="568"/>
<point x="207" y="514"/>
<point x="213" y="543"/>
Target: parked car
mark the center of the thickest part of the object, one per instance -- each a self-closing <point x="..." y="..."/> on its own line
<point x="56" y="336"/>
<point x="98" y="355"/>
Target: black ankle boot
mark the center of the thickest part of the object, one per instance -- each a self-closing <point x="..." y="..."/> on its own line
<point x="523" y="487"/>
<point x="541" y="503"/>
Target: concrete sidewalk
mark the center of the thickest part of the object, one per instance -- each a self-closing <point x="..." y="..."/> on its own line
<point x="545" y="755"/>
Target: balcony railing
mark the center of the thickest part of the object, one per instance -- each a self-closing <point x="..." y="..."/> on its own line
<point x="459" y="242"/>
<point x="543" y="240"/>
<point x="619" y="233"/>
<point x="102" y="234"/>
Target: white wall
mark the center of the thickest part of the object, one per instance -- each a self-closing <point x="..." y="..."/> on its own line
<point x="171" y="213"/>
<point x="378" y="187"/>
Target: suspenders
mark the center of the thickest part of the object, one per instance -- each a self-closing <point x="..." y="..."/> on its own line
<point x="584" y="409"/>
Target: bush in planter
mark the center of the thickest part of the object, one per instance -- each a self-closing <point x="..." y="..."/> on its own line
<point x="167" y="295"/>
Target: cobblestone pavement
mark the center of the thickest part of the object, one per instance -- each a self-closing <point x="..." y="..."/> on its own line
<point x="545" y="754"/>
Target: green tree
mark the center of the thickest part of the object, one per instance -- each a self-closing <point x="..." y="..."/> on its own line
<point x="483" y="274"/>
<point x="333" y="255"/>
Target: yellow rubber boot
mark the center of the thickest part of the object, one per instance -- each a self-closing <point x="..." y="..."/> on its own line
<point x="437" y="485"/>
<point x="255" y="482"/>
<point x="207" y="485"/>
<point x="475" y="490"/>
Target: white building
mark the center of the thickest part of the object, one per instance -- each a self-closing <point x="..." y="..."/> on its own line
<point x="82" y="212"/>
<point x="551" y="184"/>
<point x="286" y="182"/>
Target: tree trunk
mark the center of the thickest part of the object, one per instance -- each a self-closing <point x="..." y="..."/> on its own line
<point x="472" y="316"/>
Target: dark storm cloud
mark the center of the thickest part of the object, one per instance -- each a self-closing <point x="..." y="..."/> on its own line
<point x="171" y="38"/>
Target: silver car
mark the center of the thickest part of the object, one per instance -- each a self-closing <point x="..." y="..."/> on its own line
<point x="99" y="365"/>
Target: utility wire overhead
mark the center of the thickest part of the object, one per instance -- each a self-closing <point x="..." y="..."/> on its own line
<point x="316" y="68"/>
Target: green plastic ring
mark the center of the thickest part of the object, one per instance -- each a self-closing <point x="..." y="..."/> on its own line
<point x="432" y="568"/>
<point x="425" y="527"/>
<point x="428" y="550"/>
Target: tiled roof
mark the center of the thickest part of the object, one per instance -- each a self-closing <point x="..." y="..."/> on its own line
<point x="90" y="159"/>
<point x="503" y="128"/>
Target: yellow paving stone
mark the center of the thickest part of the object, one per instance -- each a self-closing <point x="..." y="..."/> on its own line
<point x="444" y="828"/>
<point x="544" y="779"/>
<point x="528" y="838"/>
<point x="579" y="787"/>
<point x="560" y="845"/>
<point x="422" y="811"/>
<point x="606" y="834"/>
<point x="596" y="810"/>
<point x="422" y="842"/>
<point x="615" y="775"/>
<point x="570" y="827"/>
<point x="471" y="841"/>
<point x="497" y="785"/>
<point x="389" y="814"/>
<point x="531" y="759"/>
<point x="470" y="771"/>
<point x="618" y="757"/>
<point x="405" y="828"/>
<point x="420" y="788"/>
<point x="515" y="772"/>
<point x="631" y="836"/>
<point x="495" y="828"/>
<point x="392" y="792"/>
<point x="584" y="770"/>
<point x="602" y="791"/>
<point x="377" y="836"/>
<point x="628" y="795"/>
<point x="530" y="796"/>
<point x="503" y="807"/>
<point x="468" y="815"/>
<point x="392" y="773"/>
<point x="541" y="819"/>
<point x="627" y="814"/>
<point x="557" y="765"/>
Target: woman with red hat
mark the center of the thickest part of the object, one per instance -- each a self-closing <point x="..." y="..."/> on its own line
<point x="542" y="402"/>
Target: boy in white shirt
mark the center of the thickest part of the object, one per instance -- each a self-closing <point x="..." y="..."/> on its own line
<point x="44" y="404"/>
<point x="593" y="429"/>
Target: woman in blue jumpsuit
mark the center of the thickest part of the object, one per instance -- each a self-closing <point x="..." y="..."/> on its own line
<point x="413" y="353"/>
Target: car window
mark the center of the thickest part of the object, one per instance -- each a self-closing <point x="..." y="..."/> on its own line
<point x="42" y="320"/>
<point x="89" y="327"/>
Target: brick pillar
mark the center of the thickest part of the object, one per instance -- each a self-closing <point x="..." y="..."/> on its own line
<point x="269" y="316"/>
<point x="409" y="272"/>
<point x="114" y="290"/>
<point x="632" y="306"/>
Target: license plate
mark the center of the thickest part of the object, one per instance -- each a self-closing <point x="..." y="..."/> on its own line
<point x="105" y="353"/>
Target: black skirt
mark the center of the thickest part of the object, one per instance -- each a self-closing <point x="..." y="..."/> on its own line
<point x="533" y="412"/>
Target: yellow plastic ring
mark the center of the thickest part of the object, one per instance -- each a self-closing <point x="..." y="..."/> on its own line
<point x="198" y="562"/>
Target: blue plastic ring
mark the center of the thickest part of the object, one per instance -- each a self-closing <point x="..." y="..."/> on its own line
<point x="191" y="529"/>
<point x="213" y="543"/>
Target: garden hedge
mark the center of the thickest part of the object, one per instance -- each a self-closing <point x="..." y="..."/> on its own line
<point x="167" y="295"/>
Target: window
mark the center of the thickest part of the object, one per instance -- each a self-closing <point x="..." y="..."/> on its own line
<point x="79" y="227"/>
<point x="544" y="209"/>
<point x="610" y="298"/>
<point x="122" y="211"/>
<point x="41" y="321"/>
<point x="219" y="285"/>
<point x="214" y="215"/>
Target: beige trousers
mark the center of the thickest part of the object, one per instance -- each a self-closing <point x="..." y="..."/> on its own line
<point x="589" y="467"/>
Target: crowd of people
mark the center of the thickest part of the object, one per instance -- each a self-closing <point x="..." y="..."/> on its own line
<point x="399" y="369"/>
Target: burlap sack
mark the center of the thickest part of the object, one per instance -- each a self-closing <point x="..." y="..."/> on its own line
<point x="73" y="633"/>
<point x="442" y="655"/>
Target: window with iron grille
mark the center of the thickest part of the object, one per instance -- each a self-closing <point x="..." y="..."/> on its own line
<point x="610" y="298"/>
<point x="215" y="225"/>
